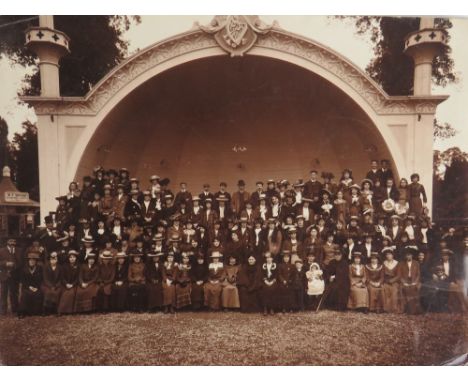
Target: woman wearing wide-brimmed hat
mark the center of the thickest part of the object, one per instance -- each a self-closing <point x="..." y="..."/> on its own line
<point x="375" y="278"/>
<point x="410" y="279"/>
<point x="169" y="273"/>
<point x="358" y="294"/>
<point x="184" y="282"/>
<point x="86" y="292"/>
<point x="154" y="280"/>
<point x="105" y="281"/>
<point x="214" y="286"/>
<point x="120" y="284"/>
<point x="230" y="294"/>
<point x="391" y="284"/>
<point x="136" y="283"/>
<point x="199" y="276"/>
<point x="70" y="273"/>
<point x="52" y="284"/>
<point x="31" y="293"/>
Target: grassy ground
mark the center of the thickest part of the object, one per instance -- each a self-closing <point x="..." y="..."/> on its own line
<point x="326" y="338"/>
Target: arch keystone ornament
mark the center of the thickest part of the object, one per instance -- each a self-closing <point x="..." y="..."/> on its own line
<point x="236" y="34"/>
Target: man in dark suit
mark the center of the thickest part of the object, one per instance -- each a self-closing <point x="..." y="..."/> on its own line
<point x="223" y="194"/>
<point x="313" y="187"/>
<point x="206" y="194"/>
<point x="133" y="207"/>
<point x="257" y="194"/>
<point x="10" y="267"/>
<point x="148" y="208"/>
<point x="385" y="172"/>
<point x="183" y="195"/>
<point x="373" y="173"/>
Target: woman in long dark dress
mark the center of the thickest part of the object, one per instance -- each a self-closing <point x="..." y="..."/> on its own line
<point x="337" y="278"/>
<point x="269" y="277"/>
<point x="214" y="286"/>
<point x="105" y="280"/>
<point x="70" y="273"/>
<point x="31" y="280"/>
<point x="199" y="276"/>
<point x="120" y="284"/>
<point x="136" y="298"/>
<point x="86" y="292"/>
<point x="285" y="296"/>
<point x="52" y="284"/>
<point x="249" y="284"/>
<point x="169" y="272"/>
<point x="184" y="283"/>
<point x="154" y="281"/>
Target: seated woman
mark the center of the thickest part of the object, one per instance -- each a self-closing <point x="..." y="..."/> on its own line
<point x="105" y="281"/>
<point x="70" y="273"/>
<point x="230" y="294"/>
<point x="154" y="281"/>
<point x="136" y="298"/>
<point x="199" y="276"/>
<point x="285" y="297"/>
<point x="214" y="287"/>
<point x="31" y="280"/>
<point x="120" y="284"/>
<point x="315" y="286"/>
<point x="269" y="277"/>
<point x="86" y="292"/>
<point x="391" y="284"/>
<point x="52" y="284"/>
<point x="248" y="283"/>
<point x="184" y="284"/>
<point x="375" y="278"/>
<point x="358" y="294"/>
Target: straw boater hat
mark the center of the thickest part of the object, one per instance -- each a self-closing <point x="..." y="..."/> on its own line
<point x="136" y="254"/>
<point x="307" y="200"/>
<point x="356" y="186"/>
<point x="395" y="217"/>
<point x="216" y="255"/>
<point x="354" y="217"/>
<point x="87" y="239"/>
<point x="357" y="254"/>
<point x="374" y="255"/>
<point x="208" y="200"/>
<point x="121" y="255"/>
<point x="73" y="252"/>
<point x="370" y="182"/>
<point x="134" y="180"/>
<point x="411" y="249"/>
<point x="91" y="256"/>
<point x="155" y="254"/>
<point x="222" y="198"/>
<point x="269" y="181"/>
<point x="447" y="251"/>
<point x="175" y="238"/>
<point x="106" y="255"/>
<point x="386" y="250"/>
<point x="154" y="177"/>
<point x="195" y="198"/>
<point x="107" y="187"/>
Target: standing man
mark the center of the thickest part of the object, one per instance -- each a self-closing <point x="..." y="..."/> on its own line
<point x="10" y="267"/>
<point x="240" y="198"/>
<point x="313" y="187"/>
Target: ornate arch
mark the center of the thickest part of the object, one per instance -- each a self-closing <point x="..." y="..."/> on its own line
<point x="234" y="35"/>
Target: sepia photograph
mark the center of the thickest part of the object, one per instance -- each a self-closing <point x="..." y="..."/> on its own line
<point x="233" y="190"/>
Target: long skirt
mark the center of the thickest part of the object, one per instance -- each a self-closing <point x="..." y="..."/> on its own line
<point x="67" y="301"/>
<point x="119" y="297"/>
<point x="183" y="295"/>
<point x="312" y="301"/>
<point x="358" y="298"/>
<point x="31" y="302"/>
<point x="85" y="300"/>
<point x="103" y="301"/>
<point x="154" y="293"/>
<point x="338" y="296"/>
<point x="415" y="205"/>
<point x="197" y="296"/>
<point x="169" y="294"/>
<point x="299" y="299"/>
<point x="284" y="297"/>
<point x="213" y="295"/>
<point x="136" y="298"/>
<point x="249" y="300"/>
<point x="230" y="296"/>
<point x="269" y="296"/>
<point x="51" y="297"/>
<point x="376" y="298"/>
<point x="410" y="299"/>
<point x="391" y="298"/>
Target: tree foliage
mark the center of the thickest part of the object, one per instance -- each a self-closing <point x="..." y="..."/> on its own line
<point x="96" y="45"/>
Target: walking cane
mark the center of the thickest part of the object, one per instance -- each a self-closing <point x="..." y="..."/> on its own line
<point x="324" y="295"/>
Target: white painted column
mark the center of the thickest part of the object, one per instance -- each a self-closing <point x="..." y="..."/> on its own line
<point x="49" y="166"/>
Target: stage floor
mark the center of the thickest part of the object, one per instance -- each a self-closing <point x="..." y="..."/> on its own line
<point x="326" y="338"/>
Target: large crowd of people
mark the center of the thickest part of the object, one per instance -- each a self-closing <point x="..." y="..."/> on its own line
<point x="117" y="243"/>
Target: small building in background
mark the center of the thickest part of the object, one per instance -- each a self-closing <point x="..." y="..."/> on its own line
<point x="17" y="212"/>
